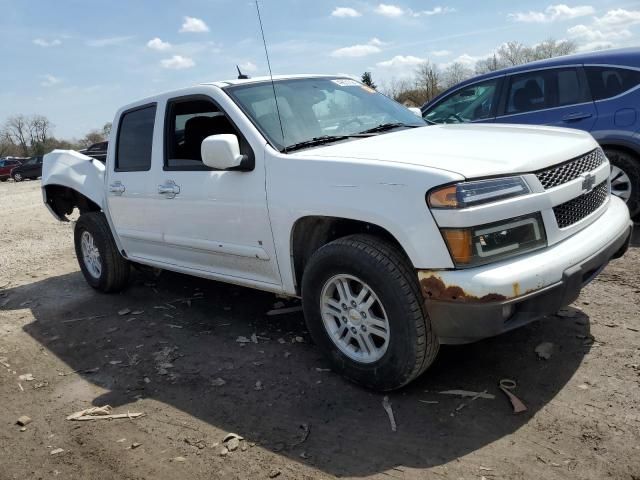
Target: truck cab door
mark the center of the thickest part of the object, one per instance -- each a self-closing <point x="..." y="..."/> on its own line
<point x="212" y="222"/>
<point x="129" y="180"/>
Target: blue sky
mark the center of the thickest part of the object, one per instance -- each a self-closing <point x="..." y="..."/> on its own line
<point x="77" y="61"/>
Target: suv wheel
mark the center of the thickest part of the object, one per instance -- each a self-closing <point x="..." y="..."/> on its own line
<point x="363" y="307"/>
<point x="17" y="177"/>
<point x="625" y="179"/>
<point x="102" y="265"/>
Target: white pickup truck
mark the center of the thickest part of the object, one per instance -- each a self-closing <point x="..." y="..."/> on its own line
<point x="398" y="236"/>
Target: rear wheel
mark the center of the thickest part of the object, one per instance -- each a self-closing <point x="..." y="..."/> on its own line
<point x="102" y="265"/>
<point x="625" y="179"/>
<point x="363" y="307"/>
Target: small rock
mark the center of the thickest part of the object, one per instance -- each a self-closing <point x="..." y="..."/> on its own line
<point x="121" y="440"/>
<point x="274" y="473"/>
<point x="299" y="339"/>
<point x="281" y="340"/>
<point x="242" y="339"/>
<point x="258" y="386"/>
<point x="233" y="444"/>
<point x="137" y="312"/>
<point x="224" y="451"/>
<point x="218" y="382"/>
<point x="147" y="380"/>
<point x="545" y="350"/>
<point x="244" y="446"/>
<point x="27" y="377"/>
<point x="135" y="445"/>
<point x="23" y="429"/>
<point x="178" y="459"/>
<point x="56" y="451"/>
<point x="115" y="362"/>
<point x="23" y="421"/>
<point x="124" y="311"/>
<point x="583" y="386"/>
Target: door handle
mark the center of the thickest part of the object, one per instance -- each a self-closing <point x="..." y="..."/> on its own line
<point x="117" y="188"/>
<point x="574" y="117"/>
<point x="169" y="189"/>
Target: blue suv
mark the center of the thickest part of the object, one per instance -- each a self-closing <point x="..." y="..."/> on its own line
<point x="598" y="92"/>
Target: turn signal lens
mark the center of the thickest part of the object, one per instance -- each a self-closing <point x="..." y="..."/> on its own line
<point x="459" y="242"/>
<point x="446" y="197"/>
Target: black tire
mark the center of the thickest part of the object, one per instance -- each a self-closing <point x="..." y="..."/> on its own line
<point x="114" y="275"/>
<point x="4" y="179"/>
<point x="630" y="165"/>
<point x="412" y="344"/>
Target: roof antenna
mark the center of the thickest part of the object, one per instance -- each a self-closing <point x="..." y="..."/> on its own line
<point x="241" y="76"/>
<point x="273" y="86"/>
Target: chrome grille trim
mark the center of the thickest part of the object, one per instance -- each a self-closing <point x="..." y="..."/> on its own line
<point x="560" y="174"/>
<point x="580" y="207"/>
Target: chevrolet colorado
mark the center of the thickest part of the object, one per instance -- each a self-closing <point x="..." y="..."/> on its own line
<point x="398" y="236"/>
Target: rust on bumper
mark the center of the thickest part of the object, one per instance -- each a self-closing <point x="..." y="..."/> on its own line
<point x="434" y="288"/>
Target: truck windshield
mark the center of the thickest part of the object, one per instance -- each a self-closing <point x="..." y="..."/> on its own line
<point x="319" y="110"/>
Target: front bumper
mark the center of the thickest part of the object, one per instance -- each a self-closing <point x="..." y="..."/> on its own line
<point x="467" y="305"/>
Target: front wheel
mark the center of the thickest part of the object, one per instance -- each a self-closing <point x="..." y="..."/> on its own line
<point x="363" y="307"/>
<point x="625" y="179"/>
<point x="17" y="177"/>
<point x="102" y="265"/>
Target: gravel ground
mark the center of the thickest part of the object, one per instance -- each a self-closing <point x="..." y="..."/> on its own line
<point x="179" y="362"/>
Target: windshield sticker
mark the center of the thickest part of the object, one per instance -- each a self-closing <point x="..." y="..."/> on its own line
<point x="345" y="82"/>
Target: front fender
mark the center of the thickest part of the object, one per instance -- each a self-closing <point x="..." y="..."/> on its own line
<point x="76" y="171"/>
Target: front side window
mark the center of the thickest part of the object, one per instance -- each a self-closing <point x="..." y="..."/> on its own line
<point x="473" y="102"/>
<point x="189" y="121"/>
<point x="135" y="140"/>
<point x="532" y="91"/>
<point x="313" y="108"/>
<point x="607" y="82"/>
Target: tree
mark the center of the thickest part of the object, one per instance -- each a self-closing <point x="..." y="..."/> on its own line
<point x="552" y="48"/>
<point x="454" y="74"/>
<point x="490" y="64"/>
<point x="367" y="80"/>
<point x="94" y="136"/>
<point x="18" y="131"/>
<point x="106" y="129"/>
<point x="427" y="79"/>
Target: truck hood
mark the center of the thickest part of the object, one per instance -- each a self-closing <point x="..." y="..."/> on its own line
<point x="471" y="150"/>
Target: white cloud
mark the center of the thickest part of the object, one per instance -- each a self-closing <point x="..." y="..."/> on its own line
<point x="591" y="46"/>
<point x="343" y="12"/>
<point x="389" y="10"/>
<point x="590" y="34"/>
<point x="401" y="61"/>
<point x="433" y="11"/>
<point x="193" y="25"/>
<point x="440" y="53"/>
<point x="248" y="67"/>
<point x="619" y="18"/>
<point x="157" y="44"/>
<point x="46" y="43"/>
<point x="178" y="62"/>
<point x="361" y="50"/>
<point x="49" y="80"/>
<point x="553" y="13"/>
<point x="107" y="42"/>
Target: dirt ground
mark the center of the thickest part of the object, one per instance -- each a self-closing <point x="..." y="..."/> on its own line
<point x="179" y="362"/>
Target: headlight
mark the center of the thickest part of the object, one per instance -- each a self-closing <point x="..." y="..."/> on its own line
<point x="467" y="194"/>
<point x="470" y="247"/>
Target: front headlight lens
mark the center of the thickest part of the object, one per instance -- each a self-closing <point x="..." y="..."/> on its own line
<point x="470" y="247"/>
<point x="468" y="194"/>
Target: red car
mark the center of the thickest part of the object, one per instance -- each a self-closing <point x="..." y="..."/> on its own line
<point x="6" y="165"/>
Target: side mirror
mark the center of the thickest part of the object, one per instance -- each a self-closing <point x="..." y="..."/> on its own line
<point x="222" y="152"/>
<point x="416" y="111"/>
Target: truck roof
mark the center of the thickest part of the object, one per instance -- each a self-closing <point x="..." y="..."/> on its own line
<point x="236" y="81"/>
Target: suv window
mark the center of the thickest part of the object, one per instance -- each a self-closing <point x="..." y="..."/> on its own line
<point x="135" y="138"/>
<point x="473" y="102"/>
<point x="607" y="82"/>
<point x="543" y="89"/>
<point x="188" y="122"/>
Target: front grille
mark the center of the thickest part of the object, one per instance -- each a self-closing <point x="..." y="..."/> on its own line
<point x="575" y="210"/>
<point x="552" y="177"/>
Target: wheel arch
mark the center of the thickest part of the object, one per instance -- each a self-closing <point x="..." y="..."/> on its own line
<point x="62" y="200"/>
<point x="310" y="233"/>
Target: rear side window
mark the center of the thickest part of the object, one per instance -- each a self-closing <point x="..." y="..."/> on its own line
<point x="135" y="139"/>
<point x="607" y="82"/>
<point x="544" y="89"/>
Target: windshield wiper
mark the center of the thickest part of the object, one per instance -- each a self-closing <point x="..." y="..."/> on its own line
<point x="319" y="141"/>
<point x="389" y="126"/>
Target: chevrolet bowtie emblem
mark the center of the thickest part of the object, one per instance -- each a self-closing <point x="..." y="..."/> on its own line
<point x="588" y="182"/>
